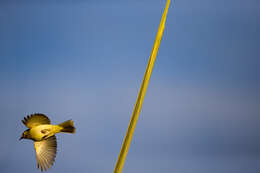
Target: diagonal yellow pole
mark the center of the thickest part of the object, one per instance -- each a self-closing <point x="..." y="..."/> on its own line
<point x="138" y="105"/>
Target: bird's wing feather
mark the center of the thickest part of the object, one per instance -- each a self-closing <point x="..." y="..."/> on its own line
<point x="35" y="120"/>
<point x="45" y="152"/>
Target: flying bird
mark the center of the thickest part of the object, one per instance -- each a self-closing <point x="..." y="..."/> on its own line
<point x="42" y="132"/>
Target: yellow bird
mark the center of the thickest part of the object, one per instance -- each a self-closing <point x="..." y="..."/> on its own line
<point x="42" y="132"/>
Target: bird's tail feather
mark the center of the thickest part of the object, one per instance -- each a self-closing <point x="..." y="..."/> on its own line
<point x="68" y="127"/>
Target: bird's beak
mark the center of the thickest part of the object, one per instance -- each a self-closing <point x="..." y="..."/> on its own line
<point x="21" y="138"/>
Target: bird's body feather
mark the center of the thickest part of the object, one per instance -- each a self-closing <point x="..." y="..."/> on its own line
<point x="44" y="131"/>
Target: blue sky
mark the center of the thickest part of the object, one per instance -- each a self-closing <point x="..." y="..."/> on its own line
<point x="84" y="60"/>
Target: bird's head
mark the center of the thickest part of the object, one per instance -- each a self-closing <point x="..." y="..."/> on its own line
<point x="25" y="135"/>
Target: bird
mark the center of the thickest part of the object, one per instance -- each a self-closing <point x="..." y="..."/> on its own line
<point x="42" y="132"/>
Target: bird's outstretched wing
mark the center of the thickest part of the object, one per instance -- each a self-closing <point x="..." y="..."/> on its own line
<point x="45" y="152"/>
<point x="35" y="120"/>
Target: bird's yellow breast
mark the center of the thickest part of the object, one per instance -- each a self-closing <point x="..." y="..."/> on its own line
<point x="44" y="131"/>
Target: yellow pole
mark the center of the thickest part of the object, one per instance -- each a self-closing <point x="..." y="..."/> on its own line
<point x="138" y="105"/>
